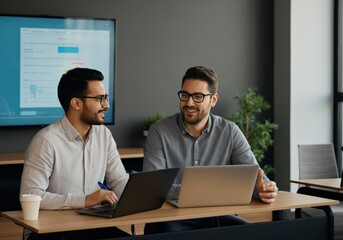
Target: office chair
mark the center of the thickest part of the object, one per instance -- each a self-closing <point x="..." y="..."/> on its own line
<point x="319" y="161"/>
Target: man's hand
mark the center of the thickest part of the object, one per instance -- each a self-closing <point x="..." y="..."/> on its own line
<point x="267" y="191"/>
<point x="96" y="198"/>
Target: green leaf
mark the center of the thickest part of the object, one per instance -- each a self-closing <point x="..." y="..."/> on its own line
<point x="152" y="119"/>
<point x="258" y="134"/>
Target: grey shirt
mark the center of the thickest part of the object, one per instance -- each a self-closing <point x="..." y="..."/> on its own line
<point x="170" y="144"/>
<point x="63" y="168"/>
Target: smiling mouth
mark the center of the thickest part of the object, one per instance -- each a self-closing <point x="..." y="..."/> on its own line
<point x="190" y="109"/>
<point x="102" y="113"/>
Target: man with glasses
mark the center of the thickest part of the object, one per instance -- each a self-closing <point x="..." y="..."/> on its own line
<point x="195" y="137"/>
<point x="65" y="160"/>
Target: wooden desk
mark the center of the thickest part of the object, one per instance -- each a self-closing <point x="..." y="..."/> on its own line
<point x="326" y="188"/>
<point x="126" y="153"/>
<point x="326" y="183"/>
<point x="11" y="158"/>
<point x="18" y="158"/>
<point x="68" y="220"/>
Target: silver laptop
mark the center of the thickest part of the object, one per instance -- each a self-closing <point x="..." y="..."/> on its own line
<point x="144" y="191"/>
<point x="216" y="185"/>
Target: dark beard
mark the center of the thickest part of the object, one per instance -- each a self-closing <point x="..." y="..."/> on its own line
<point x="91" y="119"/>
<point x="194" y="121"/>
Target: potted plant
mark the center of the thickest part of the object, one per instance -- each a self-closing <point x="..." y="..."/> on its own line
<point x="258" y="133"/>
<point x="150" y="120"/>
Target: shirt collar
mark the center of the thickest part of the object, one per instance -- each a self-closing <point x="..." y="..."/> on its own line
<point x="184" y="130"/>
<point x="71" y="132"/>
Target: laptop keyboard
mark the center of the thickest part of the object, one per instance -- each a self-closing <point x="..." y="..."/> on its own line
<point x="104" y="208"/>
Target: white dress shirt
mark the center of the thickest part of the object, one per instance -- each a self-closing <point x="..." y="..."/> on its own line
<point x="63" y="168"/>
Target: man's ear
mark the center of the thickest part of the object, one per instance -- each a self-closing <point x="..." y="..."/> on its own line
<point x="75" y="103"/>
<point x="214" y="99"/>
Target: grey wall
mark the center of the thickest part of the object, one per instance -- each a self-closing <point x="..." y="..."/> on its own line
<point x="157" y="41"/>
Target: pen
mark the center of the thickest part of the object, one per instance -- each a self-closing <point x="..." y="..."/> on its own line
<point x="102" y="185"/>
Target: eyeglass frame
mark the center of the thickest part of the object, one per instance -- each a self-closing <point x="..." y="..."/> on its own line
<point x="101" y="98"/>
<point x="192" y="95"/>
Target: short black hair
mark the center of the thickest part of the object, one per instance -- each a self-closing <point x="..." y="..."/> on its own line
<point x="75" y="83"/>
<point x="203" y="74"/>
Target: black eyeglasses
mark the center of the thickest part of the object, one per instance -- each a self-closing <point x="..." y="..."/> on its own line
<point x="197" y="97"/>
<point x="101" y="98"/>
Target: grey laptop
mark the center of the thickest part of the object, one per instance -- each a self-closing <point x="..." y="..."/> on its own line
<point x="144" y="191"/>
<point x="216" y="185"/>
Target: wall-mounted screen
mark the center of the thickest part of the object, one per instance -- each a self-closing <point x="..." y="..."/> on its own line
<point x="36" y="51"/>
